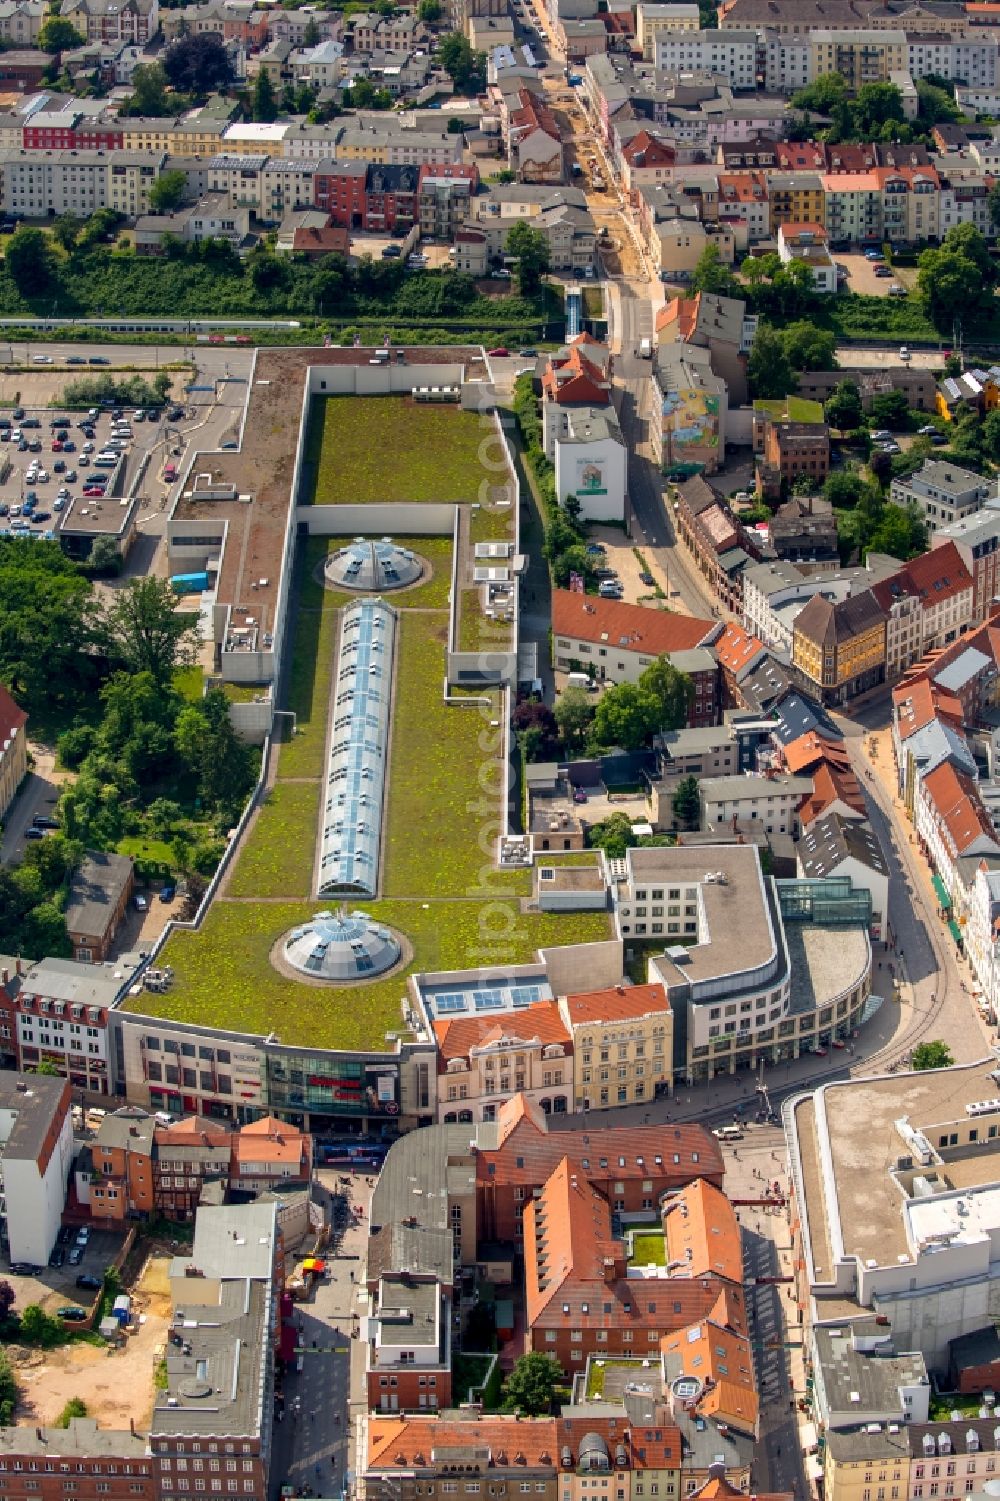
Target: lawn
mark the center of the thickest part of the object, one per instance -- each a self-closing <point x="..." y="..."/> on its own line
<point x="308" y="694"/>
<point x="190" y="683"/>
<point x="648" y="1248"/>
<point x="151" y="851"/>
<point x="223" y="976"/>
<point x="277" y="859"/>
<point x="442" y="759"/>
<point x="384" y="448"/>
<point x="597" y="1369"/>
<point x="798" y="408"/>
<point x="244" y="693"/>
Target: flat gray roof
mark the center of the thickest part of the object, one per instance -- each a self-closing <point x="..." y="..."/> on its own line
<point x="875" y="1377"/>
<point x="218" y="1389"/>
<point x="236" y="1240"/>
<point x="824" y="962"/>
<point x="33" y="1100"/>
<point x="83" y="1439"/>
<point x="71" y="980"/>
<point x="95" y="892"/>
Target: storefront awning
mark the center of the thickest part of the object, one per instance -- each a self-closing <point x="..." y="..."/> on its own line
<point x="942" y="892"/>
<point x="955" y="930"/>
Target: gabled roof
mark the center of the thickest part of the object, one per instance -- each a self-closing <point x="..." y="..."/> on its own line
<point x="917" y="702"/>
<point x="723" y="1360"/>
<point x="737" y="651"/>
<point x="702" y="1232"/>
<point x="812" y="748"/>
<point x="12" y="718"/>
<point x="831" y="840"/>
<point x="832" y="785"/>
<point x="622" y="1003"/>
<point x="829" y="625"/>
<point x="957" y="805"/>
<point x="412" y="1441"/>
<point x="587" y="617"/>
<point x="936" y="576"/>
<point x="457" y="1036"/>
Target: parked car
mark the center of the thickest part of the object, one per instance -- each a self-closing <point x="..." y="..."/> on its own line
<point x="97" y="359"/>
<point x="647" y="579"/>
<point x="904" y="353"/>
<point x="168" y="893"/>
<point x="72" y="1312"/>
<point x="4" y="508"/>
<point x="76" y="359"/>
<point x="58" y="1256"/>
<point x="59" y="467"/>
<point x="83" y="1235"/>
<point x="39" y="516"/>
<point x="499" y="353"/>
<point x="24" y="1269"/>
<point x="883" y="271"/>
<point x="141" y="902"/>
<point x="89" y="1283"/>
<point x="76" y="1255"/>
<point x="70" y="476"/>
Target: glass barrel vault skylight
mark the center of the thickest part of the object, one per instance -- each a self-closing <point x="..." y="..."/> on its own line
<point x="351" y="814"/>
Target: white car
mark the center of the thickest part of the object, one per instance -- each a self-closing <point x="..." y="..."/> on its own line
<point x="87" y="448"/>
<point x="42" y="477"/>
<point x="904" y="353"/>
<point x="41" y="359"/>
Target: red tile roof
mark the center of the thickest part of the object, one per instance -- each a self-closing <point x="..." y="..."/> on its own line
<point x="409" y="1442"/>
<point x="917" y="701"/>
<point x="587" y="617"/>
<point x="528" y="1150"/>
<point x="655" y="152"/>
<point x="956" y="802"/>
<point x="12" y="718"/>
<point x="811" y="748"/>
<point x="456" y="1036"/>
<point x="701" y="1231"/>
<point x="618" y="1004"/>
<point x="936" y="576"/>
<point x="736" y="648"/>
<point x="831" y="785"/>
<point x="721" y="1359"/>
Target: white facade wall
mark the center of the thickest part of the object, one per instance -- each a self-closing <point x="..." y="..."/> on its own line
<point x="734" y="54"/>
<point x="35" y="1200"/>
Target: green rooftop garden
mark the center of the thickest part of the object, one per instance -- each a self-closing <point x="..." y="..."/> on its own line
<point x="794" y="408"/>
<point x="397" y="450"/>
<point x="223" y="976"/>
<point x="277" y="858"/>
<point x="597" y="1369"/>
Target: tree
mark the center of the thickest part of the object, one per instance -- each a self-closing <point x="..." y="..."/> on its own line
<point x="430" y="11"/>
<point x="58" y="35"/>
<point x="843" y="408"/>
<point x="935" y="105"/>
<point x="38" y="1328"/>
<point x="146" y="631"/>
<point x="686" y="803"/>
<point x="47" y="1068"/>
<point x="808" y="347"/>
<point x="957" y="280"/>
<point x="264" y="104"/>
<point x="221" y="761"/>
<point x="531" y="1386"/>
<point x="993" y="201"/>
<point x="66" y="231"/>
<point x="613" y="835"/>
<point x="536" y="728"/>
<point x="531" y="247"/>
<point x="199" y="64"/>
<point x="880" y="467"/>
<point x="8" y="1391"/>
<point x="673" y="691"/>
<point x="876" y="105"/>
<point x="574" y="713"/>
<point x="28" y="260"/>
<point x="842" y="489"/>
<point x="931" y="1055"/>
<point x="167" y="192"/>
<point x="890" y="409"/>
<point x="48" y="625"/>
<point x="823" y="95"/>
<point x="149" y="91"/>
<point x="710" y="275"/>
<point x="768" y="370"/>
<point x="310" y="36"/>
<point x="627" y="715"/>
<point x="466" y="68"/>
<point x="8" y="1297"/>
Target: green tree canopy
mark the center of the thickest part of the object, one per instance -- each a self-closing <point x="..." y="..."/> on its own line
<point x="686" y="803"/>
<point x="843" y="408"/>
<point x="574" y="714"/>
<point x="59" y="35"/>
<point x="198" y="64"/>
<point x="466" y="68"/>
<point x="531" y="1386"/>
<point x="146" y="630"/>
<point x="28" y="260"/>
<point x="956" y="281"/>
<point x="768" y="369"/>
<point x="613" y="835"/>
<point x="931" y="1055"/>
<point x="531" y="247"/>
<point x="167" y="192"/>
<point x="890" y="409"/>
<point x="149" y="92"/>
<point x="711" y="275"/>
<point x="263" y="102"/>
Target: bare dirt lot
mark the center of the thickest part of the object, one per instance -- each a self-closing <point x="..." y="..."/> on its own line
<point x="116" y="1384"/>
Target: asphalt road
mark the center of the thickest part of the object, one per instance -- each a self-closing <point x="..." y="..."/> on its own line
<point x="214" y="360"/>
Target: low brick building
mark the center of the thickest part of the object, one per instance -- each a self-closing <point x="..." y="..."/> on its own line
<point x="98" y="900"/>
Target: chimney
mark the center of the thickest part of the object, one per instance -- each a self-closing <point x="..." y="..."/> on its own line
<point x="4" y="976"/>
<point x="19" y="969"/>
<point x="609" y="1269"/>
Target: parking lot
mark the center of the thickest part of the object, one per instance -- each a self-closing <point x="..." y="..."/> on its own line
<point x="861" y="275"/>
<point x="54" y="1287"/>
<point x="52" y="473"/>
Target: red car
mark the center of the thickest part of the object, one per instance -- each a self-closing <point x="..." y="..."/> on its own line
<point x="94" y="491"/>
<point x="500" y="354"/>
<point x="57" y="445"/>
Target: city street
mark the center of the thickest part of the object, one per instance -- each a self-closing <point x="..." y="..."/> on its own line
<point x="312" y="1439"/>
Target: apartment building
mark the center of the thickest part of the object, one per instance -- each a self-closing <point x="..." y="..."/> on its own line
<point x="730" y="54"/>
<point x="719" y="324"/>
<point x="790" y="438"/>
<point x="839" y="647"/>
<point x="483" y="1058"/>
<point x="99" y="894"/>
<point x="132" y="21"/>
<point x="692" y="400"/>
<point x="653" y="19"/>
<point x="796" y="198"/>
<point x="36" y="1149"/>
<point x="70" y="181"/>
<point x="22" y="20"/>
<point x="13" y="749"/>
<point x="717" y="541"/>
<point x="622" y="1045"/>
<point x="943" y="493"/>
<point x="742" y="802"/>
<point x="859" y="56"/>
<point x="977" y="538"/>
<point x="971" y="61"/>
<point x="409" y="1351"/>
<point x="62" y="1013"/>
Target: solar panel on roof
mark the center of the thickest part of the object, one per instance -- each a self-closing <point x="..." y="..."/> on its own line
<point x="525" y="995"/>
<point x="450" y="1002"/>
<point x="487" y="1000"/>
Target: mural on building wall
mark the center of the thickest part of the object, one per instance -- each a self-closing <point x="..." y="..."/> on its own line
<point x="690" y="422"/>
<point x="589" y="478"/>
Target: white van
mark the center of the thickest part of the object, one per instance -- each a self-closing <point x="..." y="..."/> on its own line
<point x="728" y="1133"/>
<point x="106" y="460"/>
